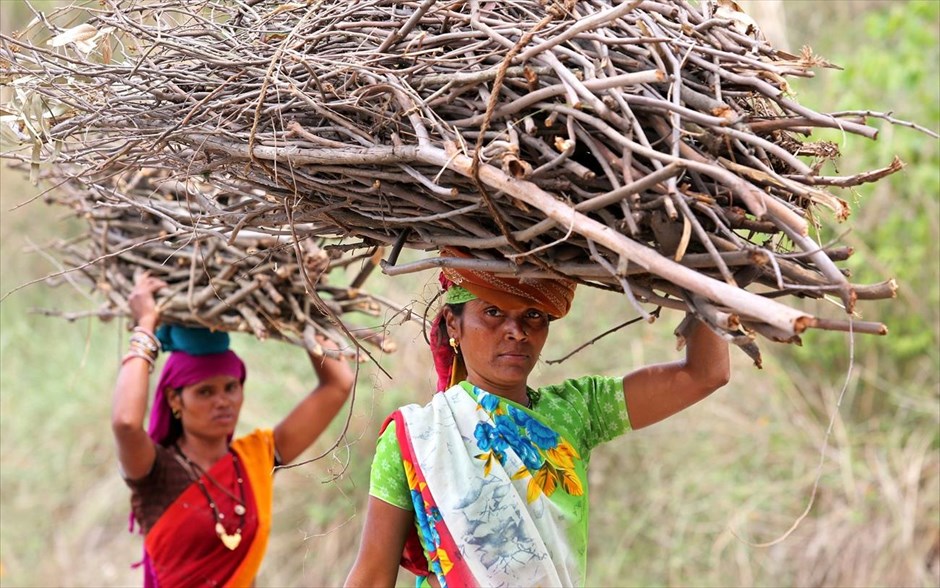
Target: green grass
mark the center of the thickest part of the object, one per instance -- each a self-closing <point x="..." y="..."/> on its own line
<point x="681" y="503"/>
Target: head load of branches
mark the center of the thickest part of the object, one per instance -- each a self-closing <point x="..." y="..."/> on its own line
<point x="651" y="148"/>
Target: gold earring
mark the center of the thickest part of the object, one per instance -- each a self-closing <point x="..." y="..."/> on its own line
<point x="176" y="413"/>
<point x="453" y="343"/>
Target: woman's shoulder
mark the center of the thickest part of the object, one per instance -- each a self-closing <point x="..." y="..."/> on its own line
<point x="582" y="385"/>
<point x="582" y="399"/>
<point x="438" y="400"/>
<point x="257" y="444"/>
<point x="593" y="405"/>
<point x="257" y="435"/>
<point x="162" y="460"/>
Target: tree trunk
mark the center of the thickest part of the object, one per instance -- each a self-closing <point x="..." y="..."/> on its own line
<point x="771" y="16"/>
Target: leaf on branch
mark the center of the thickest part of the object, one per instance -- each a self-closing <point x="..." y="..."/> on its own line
<point x="76" y="34"/>
<point x="86" y="39"/>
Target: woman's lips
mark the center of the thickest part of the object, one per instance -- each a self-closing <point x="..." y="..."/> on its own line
<point x="514" y="357"/>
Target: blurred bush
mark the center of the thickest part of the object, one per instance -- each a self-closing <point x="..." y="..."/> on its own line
<point x="891" y="64"/>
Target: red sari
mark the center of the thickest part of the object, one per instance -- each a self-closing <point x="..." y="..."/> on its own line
<point x="183" y="549"/>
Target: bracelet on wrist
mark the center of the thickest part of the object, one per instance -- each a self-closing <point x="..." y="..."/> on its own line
<point x="143" y="350"/>
<point x="145" y="343"/>
<point x="149" y="335"/>
<point x="133" y="353"/>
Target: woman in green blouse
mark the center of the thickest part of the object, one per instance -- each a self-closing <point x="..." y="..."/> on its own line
<point x="486" y="485"/>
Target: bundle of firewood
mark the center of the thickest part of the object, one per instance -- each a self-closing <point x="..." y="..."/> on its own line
<point x="277" y="286"/>
<point x="648" y="147"/>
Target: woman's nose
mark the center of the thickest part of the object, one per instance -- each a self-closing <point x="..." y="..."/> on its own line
<point x="515" y="329"/>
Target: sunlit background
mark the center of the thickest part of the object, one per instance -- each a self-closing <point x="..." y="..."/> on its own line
<point x="690" y="501"/>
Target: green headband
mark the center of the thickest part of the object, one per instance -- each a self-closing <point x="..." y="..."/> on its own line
<point x="458" y="295"/>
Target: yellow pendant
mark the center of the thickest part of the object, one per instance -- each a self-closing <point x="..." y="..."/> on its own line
<point x="230" y="541"/>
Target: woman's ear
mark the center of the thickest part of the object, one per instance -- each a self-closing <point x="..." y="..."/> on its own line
<point x="451" y="322"/>
<point x="174" y="398"/>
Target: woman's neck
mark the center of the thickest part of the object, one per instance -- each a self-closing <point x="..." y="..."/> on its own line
<point x="516" y="394"/>
<point x="203" y="452"/>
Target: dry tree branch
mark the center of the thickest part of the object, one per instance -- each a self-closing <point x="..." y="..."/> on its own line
<point x="650" y="131"/>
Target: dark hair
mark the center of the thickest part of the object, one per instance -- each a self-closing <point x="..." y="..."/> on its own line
<point x="442" y="335"/>
<point x="176" y="425"/>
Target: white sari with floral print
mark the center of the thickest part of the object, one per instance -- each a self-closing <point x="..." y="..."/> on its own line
<point x="497" y="493"/>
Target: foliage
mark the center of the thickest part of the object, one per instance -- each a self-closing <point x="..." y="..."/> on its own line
<point x="896" y="223"/>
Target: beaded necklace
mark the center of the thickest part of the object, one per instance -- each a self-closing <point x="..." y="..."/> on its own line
<point x="230" y="541"/>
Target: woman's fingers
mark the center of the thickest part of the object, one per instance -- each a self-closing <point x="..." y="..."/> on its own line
<point x="155" y="284"/>
<point x="144" y="282"/>
<point x="141" y="277"/>
<point x="141" y="301"/>
<point x="326" y="342"/>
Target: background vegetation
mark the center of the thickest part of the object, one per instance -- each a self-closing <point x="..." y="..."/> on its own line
<point x="682" y="503"/>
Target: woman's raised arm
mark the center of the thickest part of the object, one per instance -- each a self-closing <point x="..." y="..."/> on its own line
<point x="313" y="414"/>
<point x="129" y="406"/>
<point x="655" y="392"/>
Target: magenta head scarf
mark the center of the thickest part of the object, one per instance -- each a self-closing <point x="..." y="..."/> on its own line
<point x="185" y="368"/>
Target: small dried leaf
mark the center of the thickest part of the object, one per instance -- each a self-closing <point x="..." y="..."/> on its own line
<point x="76" y="34"/>
<point x="106" y="51"/>
<point x="287" y="8"/>
<point x="34" y="164"/>
<point x="9" y="132"/>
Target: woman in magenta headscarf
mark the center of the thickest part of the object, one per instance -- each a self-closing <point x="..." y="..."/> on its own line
<point x="204" y="500"/>
<point x="487" y="484"/>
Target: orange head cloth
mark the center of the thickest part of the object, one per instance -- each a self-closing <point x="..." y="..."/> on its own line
<point x="552" y="296"/>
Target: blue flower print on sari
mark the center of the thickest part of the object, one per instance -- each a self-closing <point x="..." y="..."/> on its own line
<point x="434" y="517"/>
<point x="542" y="436"/>
<point x="488" y="438"/>
<point x="491" y="443"/>
<point x="509" y="430"/>
<point x="426" y="522"/>
<point x="548" y="459"/>
<point x="488" y="401"/>
<point x="484" y="434"/>
<point x="529" y="455"/>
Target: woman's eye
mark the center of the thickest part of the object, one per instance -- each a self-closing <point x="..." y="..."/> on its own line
<point x="492" y="311"/>
<point x="204" y="391"/>
<point x="536" y="315"/>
